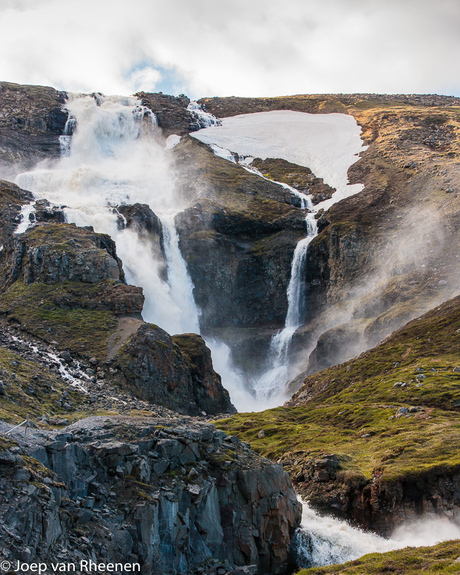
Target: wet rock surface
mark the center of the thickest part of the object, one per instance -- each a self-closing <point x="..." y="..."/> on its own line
<point x="31" y="122"/>
<point x="176" y="496"/>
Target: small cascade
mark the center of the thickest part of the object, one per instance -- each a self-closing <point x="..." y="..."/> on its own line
<point x="26" y="218"/>
<point x="74" y="376"/>
<point x="178" y="277"/>
<point x="270" y="387"/>
<point x="66" y="139"/>
<point x="202" y="119"/>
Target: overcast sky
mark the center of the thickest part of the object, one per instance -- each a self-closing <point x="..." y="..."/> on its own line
<point x="233" y="47"/>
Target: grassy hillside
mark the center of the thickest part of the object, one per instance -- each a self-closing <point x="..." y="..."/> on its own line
<point x="386" y="418"/>
<point x="442" y="558"/>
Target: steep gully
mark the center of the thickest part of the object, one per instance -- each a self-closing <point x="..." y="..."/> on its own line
<point x="109" y="162"/>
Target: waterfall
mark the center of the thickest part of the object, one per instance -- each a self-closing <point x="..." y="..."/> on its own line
<point x="202" y="119"/>
<point x="178" y="278"/>
<point x="270" y="386"/>
<point x="111" y="154"/>
<point x="324" y="540"/>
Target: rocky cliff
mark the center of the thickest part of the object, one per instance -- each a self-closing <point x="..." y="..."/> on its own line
<point x="63" y="284"/>
<point x="172" y="495"/>
<point x="31" y="120"/>
<point x="388" y="254"/>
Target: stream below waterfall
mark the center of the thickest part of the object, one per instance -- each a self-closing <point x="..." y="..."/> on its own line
<point x="325" y="540"/>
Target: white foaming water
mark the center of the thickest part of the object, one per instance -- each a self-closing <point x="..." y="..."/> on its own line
<point x="26" y="211"/>
<point x="326" y="540"/>
<point x="74" y="376"/>
<point x="241" y="396"/>
<point x="179" y="280"/>
<point x="115" y="157"/>
<point x="203" y="119"/>
<point x="270" y="386"/>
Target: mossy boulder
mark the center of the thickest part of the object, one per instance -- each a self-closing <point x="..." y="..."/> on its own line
<point x="175" y="372"/>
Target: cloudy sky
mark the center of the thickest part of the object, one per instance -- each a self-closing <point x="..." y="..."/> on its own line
<point x="233" y="47"/>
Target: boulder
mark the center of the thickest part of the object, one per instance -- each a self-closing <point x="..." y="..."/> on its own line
<point x="175" y="372"/>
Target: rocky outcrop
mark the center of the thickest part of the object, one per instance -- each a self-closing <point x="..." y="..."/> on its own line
<point x="47" y="212"/>
<point x="65" y="284"/>
<point x="299" y="177"/>
<point x="171" y="495"/>
<point x="321" y="103"/>
<point x="31" y="122"/>
<point x="12" y="198"/>
<point x="170" y="111"/>
<point x="148" y="226"/>
<point x="141" y="218"/>
<point x="379" y="504"/>
<point x="55" y="253"/>
<point x="175" y="372"/>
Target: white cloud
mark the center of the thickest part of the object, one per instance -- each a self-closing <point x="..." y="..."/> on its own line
<point x="211" y="47"/>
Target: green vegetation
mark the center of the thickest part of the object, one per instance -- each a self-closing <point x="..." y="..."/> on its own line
<point x="31" y="389"/>
<point x="442" y="558"/>
<point x="351" y="409"/>
<point x="53" y="312"/>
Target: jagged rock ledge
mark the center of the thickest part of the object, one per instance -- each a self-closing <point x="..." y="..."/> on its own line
<point x="172" y="495"/>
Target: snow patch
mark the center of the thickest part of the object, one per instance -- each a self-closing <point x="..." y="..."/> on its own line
<point x="328" y="144"/>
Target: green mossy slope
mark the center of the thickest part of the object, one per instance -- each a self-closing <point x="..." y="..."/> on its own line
<point x="442" y="558"/>
<point x="390" y="414"/>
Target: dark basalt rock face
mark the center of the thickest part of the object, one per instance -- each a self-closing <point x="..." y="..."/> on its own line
<point x="168" y="494"/>
<point x="238" y="239"/>
<point x="31" y="122"/>
<point x="175" y="372"/>
<point x="141" y="219"/>
<point x="170" y="111"/>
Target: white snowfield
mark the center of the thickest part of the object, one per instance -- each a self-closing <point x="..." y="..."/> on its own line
<point x="328" y="144"/>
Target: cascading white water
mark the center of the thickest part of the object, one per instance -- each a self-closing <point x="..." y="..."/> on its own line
<point x="26" y="211"/>
<point x="202" y="118"/>
<point x="326" y="143"/>
<point x="116" y="157"/>
<point x="324" y="540"/>
<point x="179" y="280"/>
<point x="270" y="386"/>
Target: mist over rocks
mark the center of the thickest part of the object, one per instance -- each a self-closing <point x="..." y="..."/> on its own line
<point x="381" y="258"/>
